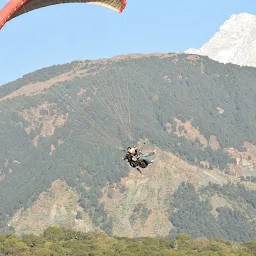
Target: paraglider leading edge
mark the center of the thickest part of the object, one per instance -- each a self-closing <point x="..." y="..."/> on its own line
<point x="15" y="8"/>
<point x="123" y="6"/>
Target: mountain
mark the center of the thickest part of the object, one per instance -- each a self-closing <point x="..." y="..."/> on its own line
<point x="62" y="129"/>
<point x="235" y="42"/>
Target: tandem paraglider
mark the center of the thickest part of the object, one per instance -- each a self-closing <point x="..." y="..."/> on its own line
<point x="137" y="159"/>
<point x="116" y="94"/>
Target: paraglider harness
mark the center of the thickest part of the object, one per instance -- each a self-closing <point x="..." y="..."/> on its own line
<point x="135" y="160"/>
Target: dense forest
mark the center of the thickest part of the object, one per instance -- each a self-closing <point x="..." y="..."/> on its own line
<point x="57" y="241"/>
<point x="90" y="116"/>
<point x="191" y="212"/>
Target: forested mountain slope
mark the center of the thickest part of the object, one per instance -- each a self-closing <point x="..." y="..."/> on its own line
<point x="62" y="129"/>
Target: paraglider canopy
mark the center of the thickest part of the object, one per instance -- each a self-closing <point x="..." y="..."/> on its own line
<point x="18" y="7"/>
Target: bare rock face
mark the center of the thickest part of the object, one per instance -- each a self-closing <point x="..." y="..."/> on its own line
<point x="235" y="42"/>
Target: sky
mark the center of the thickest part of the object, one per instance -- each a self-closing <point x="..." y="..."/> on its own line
<point x="63" y="33"/>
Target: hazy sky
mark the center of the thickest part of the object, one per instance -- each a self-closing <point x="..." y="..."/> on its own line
<point x="67" y="32"/>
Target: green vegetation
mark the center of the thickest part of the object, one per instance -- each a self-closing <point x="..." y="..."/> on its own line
<point x="41" y="75"/>
<point x="192" y="212"/>
<point x="248" y="178"/>
<point x="59" y="242"/>
<point x="140" y="211"/>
